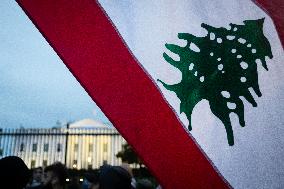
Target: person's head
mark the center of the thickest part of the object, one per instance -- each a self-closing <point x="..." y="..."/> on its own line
<point x="55" y="174"/>
<point x="144" y="184"/>
<point x="91" y="181"/>
<point x="37" y="174"/>
<point x="114" y="177"/>
<point x="127" y="167"/>
<point x="13" y="173"/>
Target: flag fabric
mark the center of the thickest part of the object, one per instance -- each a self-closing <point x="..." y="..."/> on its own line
<point x="194" y="86"/>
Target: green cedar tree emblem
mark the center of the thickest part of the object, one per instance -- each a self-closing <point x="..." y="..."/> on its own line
<point x="220" y="69"/>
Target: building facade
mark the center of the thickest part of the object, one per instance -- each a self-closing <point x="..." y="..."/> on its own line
<point x="82" y="145"/>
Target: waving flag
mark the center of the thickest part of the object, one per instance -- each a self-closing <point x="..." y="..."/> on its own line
<point x="194" y="86"/>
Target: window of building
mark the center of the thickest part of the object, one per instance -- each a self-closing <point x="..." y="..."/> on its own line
<point x="44" y="163"/>
<point x="22" y="147"/>
<point x="45" y="147"/>
<point x="105" y="147"/>
<point x="76" y="146"/>
<point x="90" y="166"/>
<point x="33" y="162"/>
<point x="74" y="164"/>
<point x="34" y="149"/>
<point x="1" y="152"/>
<point x="59" y="147"/>
<point x="91" y="146"/>
<point x="89" y="159"/>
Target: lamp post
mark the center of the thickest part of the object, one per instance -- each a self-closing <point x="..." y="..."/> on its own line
<point x="66" y="143"/>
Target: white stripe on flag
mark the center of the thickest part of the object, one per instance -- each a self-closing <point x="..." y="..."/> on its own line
<point x="146" y="26"/>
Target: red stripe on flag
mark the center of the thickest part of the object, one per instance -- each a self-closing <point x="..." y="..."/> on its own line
<point x="90" y="47"/>
<point x="275" y="9"/>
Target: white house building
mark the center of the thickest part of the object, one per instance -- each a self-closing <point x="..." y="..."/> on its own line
<point x="81" y="145"/>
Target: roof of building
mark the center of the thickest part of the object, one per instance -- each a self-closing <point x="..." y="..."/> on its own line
<point x="88" y="123"/>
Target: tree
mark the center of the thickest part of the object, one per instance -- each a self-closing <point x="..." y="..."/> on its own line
<point x="128" y="155"/>
<point x="220" y="68"/>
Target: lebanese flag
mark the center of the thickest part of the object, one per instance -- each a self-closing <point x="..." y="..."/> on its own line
<point x="194" y="86"/>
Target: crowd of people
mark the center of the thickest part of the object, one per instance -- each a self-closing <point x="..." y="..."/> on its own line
<point x="14" y="174"/>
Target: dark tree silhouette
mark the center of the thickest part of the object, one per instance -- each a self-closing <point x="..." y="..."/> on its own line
<point x="128" y="155"/>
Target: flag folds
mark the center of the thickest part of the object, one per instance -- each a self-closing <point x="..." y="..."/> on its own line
<point x="193" y="86"/>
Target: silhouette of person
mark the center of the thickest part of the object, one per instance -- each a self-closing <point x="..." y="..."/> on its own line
<point x="14" y="174"/>
<point x="36" y="182"/>
<point x="55" y="176"/>
<point x="114" y="177"/>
